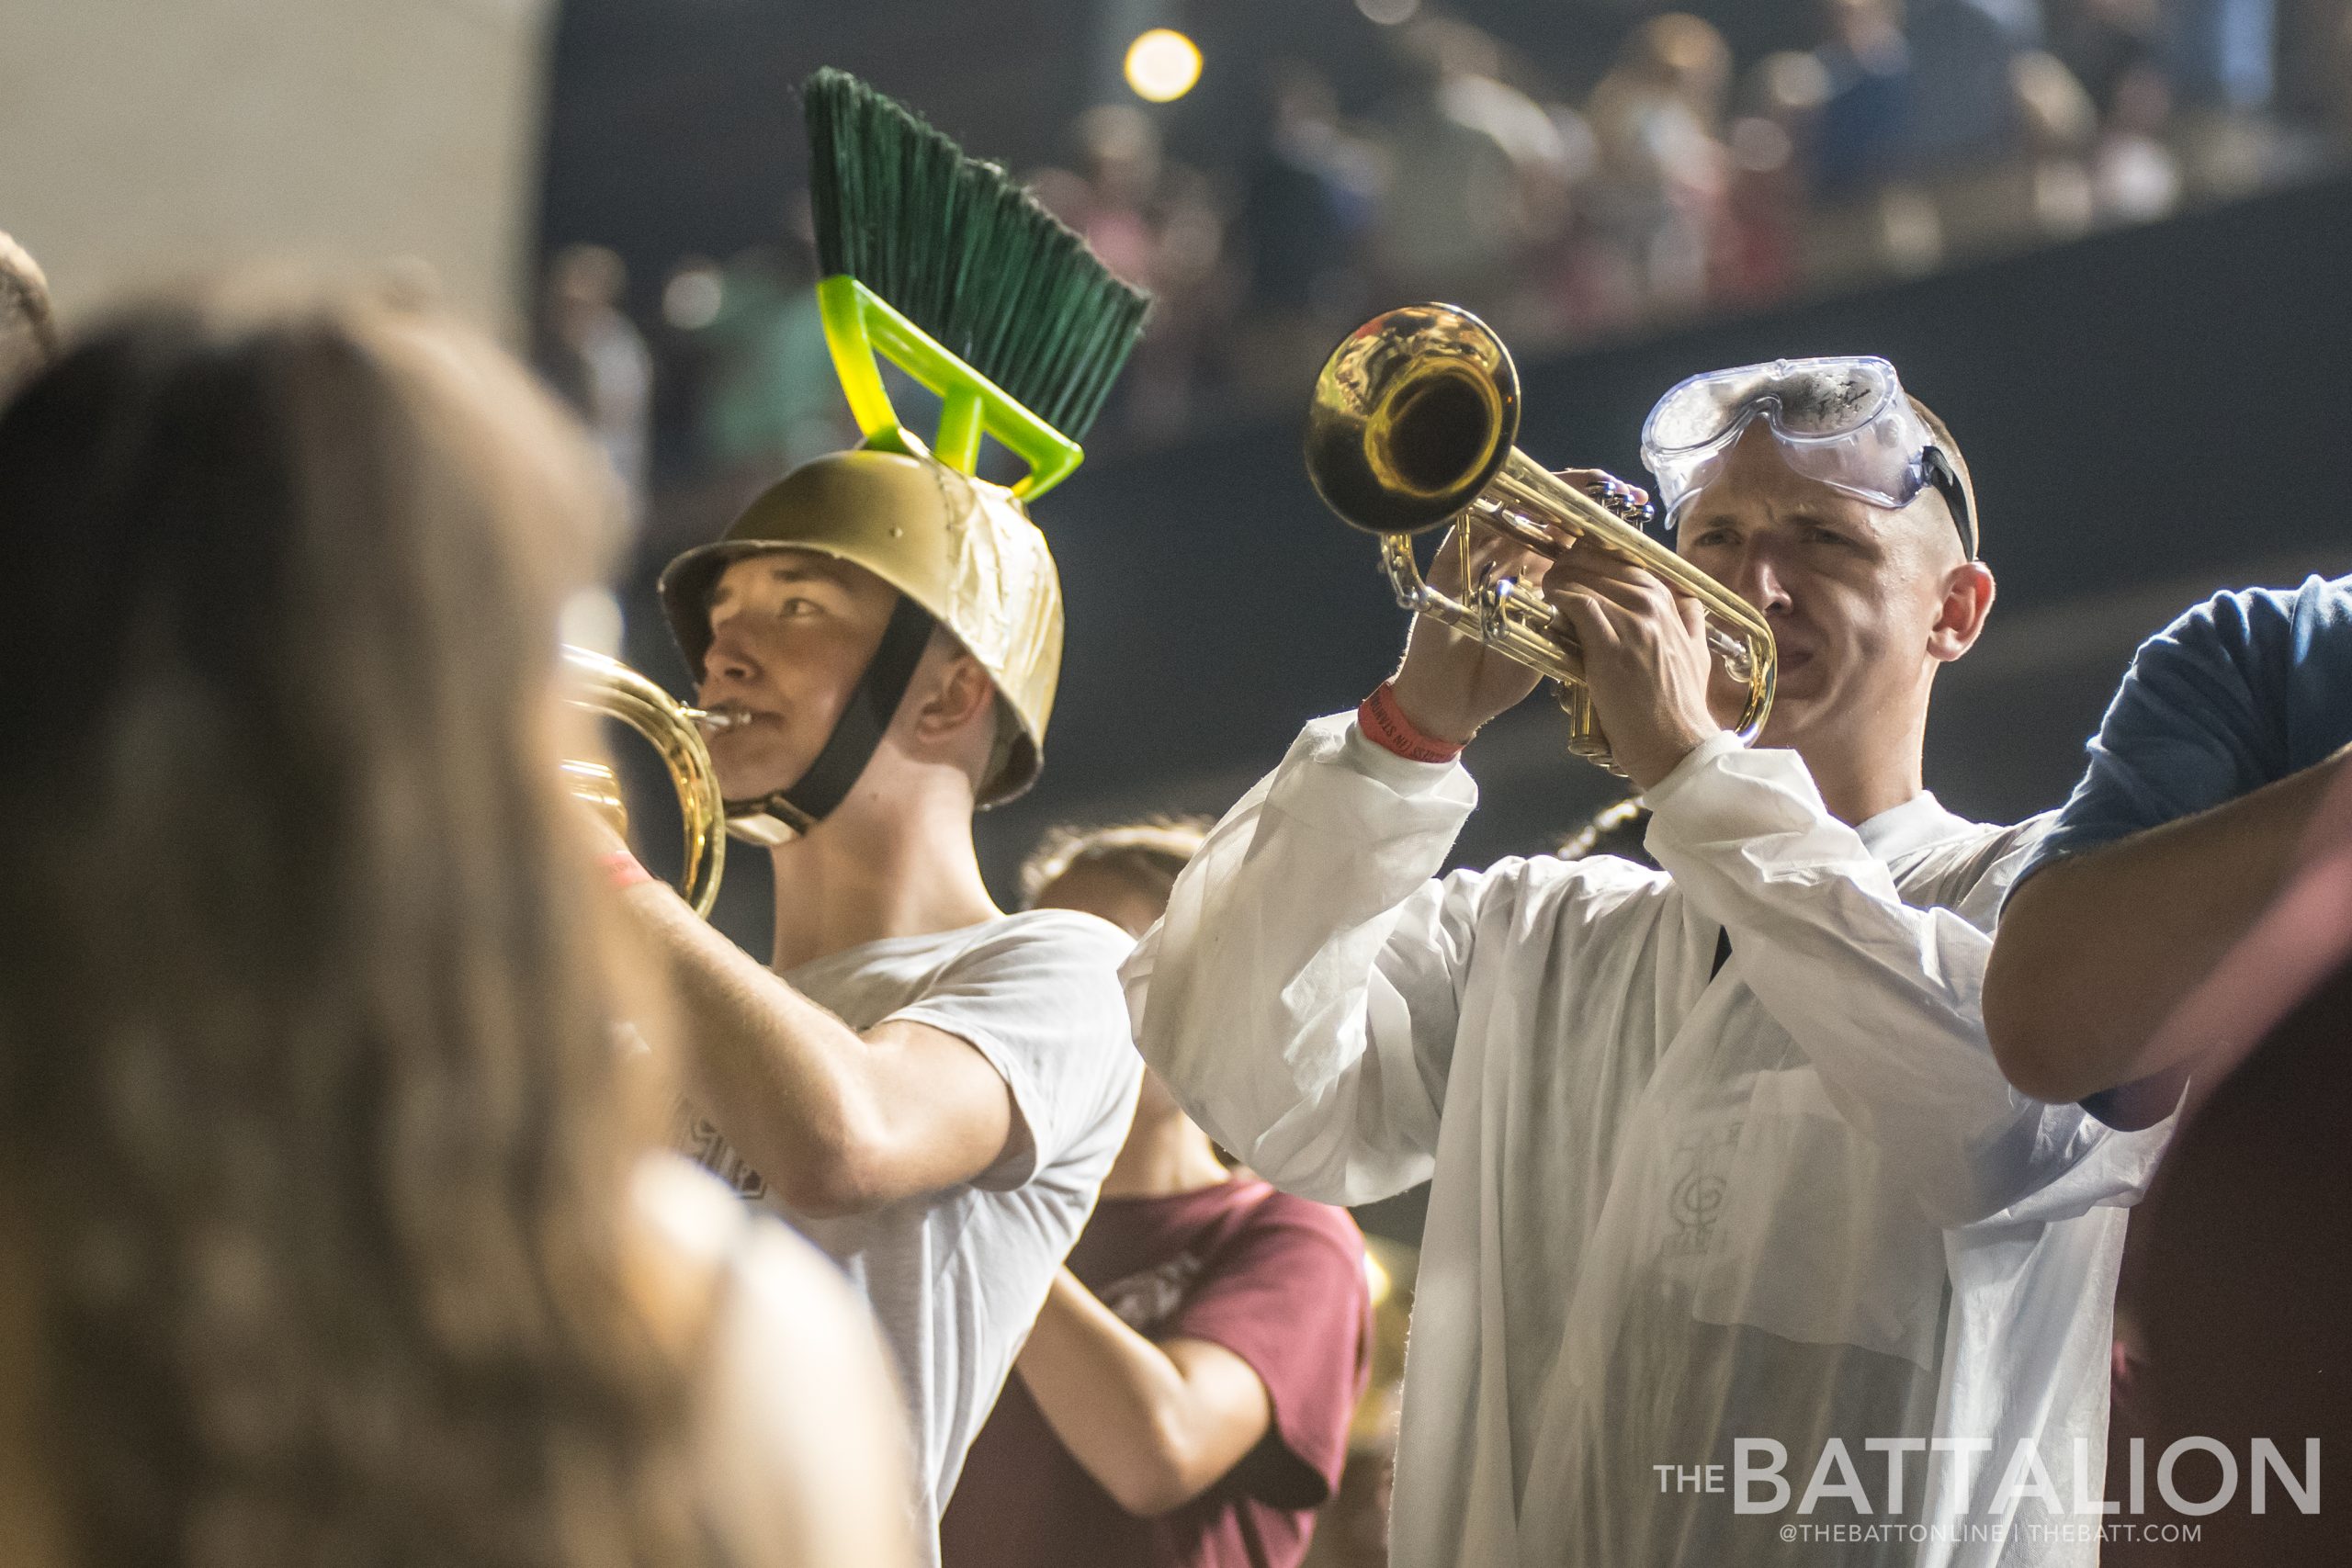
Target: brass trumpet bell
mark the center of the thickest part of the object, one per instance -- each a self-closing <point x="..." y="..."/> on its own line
<point x="1413" y="424"/>
<point x="608" y="687"/>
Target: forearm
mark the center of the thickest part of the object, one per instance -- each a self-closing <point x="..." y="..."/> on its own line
<point x="1290" y="992"/>
<point x="1122" y="1409"/>
<point x="2095" y="951"/>
<point x="775" y="1074"/>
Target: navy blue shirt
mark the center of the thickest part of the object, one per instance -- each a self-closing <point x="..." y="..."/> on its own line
<point x="2242" y="691"/>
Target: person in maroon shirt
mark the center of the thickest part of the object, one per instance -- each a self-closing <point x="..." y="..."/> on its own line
<point x="1184" y="1400"/>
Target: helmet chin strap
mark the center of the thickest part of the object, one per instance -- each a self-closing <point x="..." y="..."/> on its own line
<point x="812" y="797"/>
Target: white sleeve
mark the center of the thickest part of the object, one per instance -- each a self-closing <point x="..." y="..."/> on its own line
<point x="1883" y="999"/>
<point x="1300" y="996"/>
<point x="1037" y="995"/>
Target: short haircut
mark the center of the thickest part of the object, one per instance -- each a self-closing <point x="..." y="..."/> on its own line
<point x="1148" y="853"/>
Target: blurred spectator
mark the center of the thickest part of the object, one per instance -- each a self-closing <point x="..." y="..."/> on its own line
<point x="1657" y="195"/>
<point x="596" y="361"/>
<point x="683" y="361"/>
<point x="2102" y="41"/>
<point x="1160" y="224"/>
<point x="1962" y="107"/>
<point x="1867" y="112"/>
<point x="1306" y="211"/>
<point x="774" y="402"/>
<point x="1765" y="201"/>
<point x="2135" y="177"/>
<point x="1311" y="197"/>
<point x="332" y="1230"/>
<point x="2058" y="124"/>
<point x="2221" y="51"/>
<point x="1478" y="173"/>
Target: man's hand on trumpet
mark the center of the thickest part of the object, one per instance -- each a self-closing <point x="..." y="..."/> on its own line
<point x="1644" y="652"/>
<point x="1451" y="683"/>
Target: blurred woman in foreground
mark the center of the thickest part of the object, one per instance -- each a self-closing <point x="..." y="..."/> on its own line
<point x="342" y="1243"/>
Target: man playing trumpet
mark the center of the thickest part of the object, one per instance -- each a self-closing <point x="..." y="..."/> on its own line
<point x="1738" y="1243"/>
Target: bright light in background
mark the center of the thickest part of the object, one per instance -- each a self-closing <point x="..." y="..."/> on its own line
<point x="1388" y="13"/>
<point x="1375" y="1279"/>
<point x="1162" y="66"/>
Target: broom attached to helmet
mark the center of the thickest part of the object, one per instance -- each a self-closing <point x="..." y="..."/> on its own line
<point x="942" y="266"/>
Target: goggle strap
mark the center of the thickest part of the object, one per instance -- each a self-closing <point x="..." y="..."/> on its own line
<point x="1946" y="478"/>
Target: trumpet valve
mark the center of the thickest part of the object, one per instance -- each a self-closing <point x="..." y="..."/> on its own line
<point x="1618" y="497"/>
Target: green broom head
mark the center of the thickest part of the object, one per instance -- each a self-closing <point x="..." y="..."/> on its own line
<point x="1002" y="291"/>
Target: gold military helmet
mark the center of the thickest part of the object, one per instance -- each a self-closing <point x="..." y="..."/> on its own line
<point x="960" y="548"/>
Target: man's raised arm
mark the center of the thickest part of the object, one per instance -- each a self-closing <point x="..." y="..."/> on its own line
<point x="1298" y="996"/>
<point x="836" y="1122"/>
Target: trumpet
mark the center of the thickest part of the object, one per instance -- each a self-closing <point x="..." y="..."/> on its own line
<point x="1412" y="426"/>
<point x="611" y="689"/>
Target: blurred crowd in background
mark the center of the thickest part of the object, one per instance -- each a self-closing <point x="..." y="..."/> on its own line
<point x="1685" y="182"/>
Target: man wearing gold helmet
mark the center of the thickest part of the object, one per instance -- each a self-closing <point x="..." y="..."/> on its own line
<point x="932" y="1090"/>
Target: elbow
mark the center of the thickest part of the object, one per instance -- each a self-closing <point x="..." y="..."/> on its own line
<point x="1147" y="1496"/>
<point x="826" y="1195"/>
<point x="1158" y="1479"/>
<point x="2038" y="1040"/>
<point x="830" y="1174"/>
<point x="2024" y="1045"/>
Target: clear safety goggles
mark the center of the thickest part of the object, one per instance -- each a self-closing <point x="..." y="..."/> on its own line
<point x="1844" y="422"/>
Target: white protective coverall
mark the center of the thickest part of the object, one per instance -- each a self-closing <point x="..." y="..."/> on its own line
<point x="1795" y="1202"/>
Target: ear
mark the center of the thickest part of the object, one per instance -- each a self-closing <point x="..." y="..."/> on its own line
<point x="1960" y="618"/>
<point x="950" y="691"/>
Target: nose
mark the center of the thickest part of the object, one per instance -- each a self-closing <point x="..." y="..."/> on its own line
<point x="727" y="658"/>
<point x="1758" y="581"/>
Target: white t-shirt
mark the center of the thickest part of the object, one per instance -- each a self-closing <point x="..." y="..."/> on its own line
<point x="957" y="1277"/>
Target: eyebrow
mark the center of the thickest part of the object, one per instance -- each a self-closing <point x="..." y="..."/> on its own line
<point x="804" y="571"/>
<point x="788" y="572"/>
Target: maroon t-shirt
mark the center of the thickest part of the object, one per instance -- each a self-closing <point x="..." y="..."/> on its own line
<point x="1277" y="1280"/>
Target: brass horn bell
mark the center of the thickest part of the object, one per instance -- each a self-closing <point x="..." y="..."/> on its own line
<point x="608" y="687"/>
<point x="1413" y="424"/>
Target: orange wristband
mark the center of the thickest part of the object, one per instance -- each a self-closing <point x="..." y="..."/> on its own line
<point x="1381" y="719"/>
<point x="623" y="868"/>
